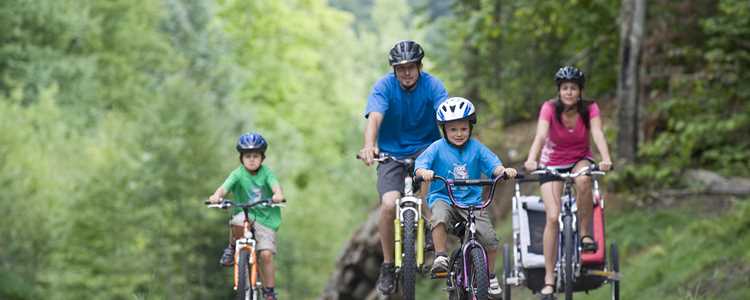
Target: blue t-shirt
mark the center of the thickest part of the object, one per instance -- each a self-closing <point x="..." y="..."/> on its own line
<point x="409" y="123"/>
<point x="451" y="162"/>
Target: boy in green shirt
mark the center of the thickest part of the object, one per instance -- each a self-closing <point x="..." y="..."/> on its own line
<point x="253" y="182"/>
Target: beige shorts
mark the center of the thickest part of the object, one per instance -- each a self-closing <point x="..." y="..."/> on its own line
<point x="444" y="213"/>
<point x="265" y="238"/>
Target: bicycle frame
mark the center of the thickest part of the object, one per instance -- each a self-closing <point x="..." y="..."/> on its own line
<point x="246" y="243"/>
<point x="469" y="241"/>
<point x="407" y="202"/>
<point x="568" y="211"/>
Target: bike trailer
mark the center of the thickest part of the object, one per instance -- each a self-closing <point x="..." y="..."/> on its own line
<point x="529" y="220"/>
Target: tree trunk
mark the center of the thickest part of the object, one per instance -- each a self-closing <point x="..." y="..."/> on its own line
<point x="632" y="18"/>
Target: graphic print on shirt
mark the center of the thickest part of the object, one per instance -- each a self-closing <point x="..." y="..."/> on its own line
<point x="460" y="172"/>
<point x="254" y="195"/>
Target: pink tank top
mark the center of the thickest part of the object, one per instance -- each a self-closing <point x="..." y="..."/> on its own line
<point x="564" y="146"/>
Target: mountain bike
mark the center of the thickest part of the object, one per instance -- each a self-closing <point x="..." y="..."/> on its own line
<point x="409" y="234"/>
<point x="246" y="282"/>
<point x="469" y="274"/>
<point x="575" y="270"/>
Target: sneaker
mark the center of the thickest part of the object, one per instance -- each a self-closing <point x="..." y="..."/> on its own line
<point x="268" y="295"/>
<point x="495" y="290"/>
<point x="439" y="265"/>
<point x="227" y="258"/>
<point x="387" y="280"/>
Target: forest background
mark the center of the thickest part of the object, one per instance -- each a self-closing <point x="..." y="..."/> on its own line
<point x="118" y="118"/>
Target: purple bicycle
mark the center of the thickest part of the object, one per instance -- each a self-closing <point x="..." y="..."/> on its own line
<point x="469" y="274"/>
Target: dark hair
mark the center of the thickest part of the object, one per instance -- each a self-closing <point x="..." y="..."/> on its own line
<point x="582" y="106"/>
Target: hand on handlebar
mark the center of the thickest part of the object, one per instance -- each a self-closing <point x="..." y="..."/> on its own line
<point x="530" y="165"/>
<point x="426" y="174"/>
<point x="367" y="154"/>
<point x="276" y="198"/>
<point x="605" y="165"/>
<point x="214" y="199"/>
<point x="510" y="172"/>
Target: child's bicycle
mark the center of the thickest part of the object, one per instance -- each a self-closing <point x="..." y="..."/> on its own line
<point x="409" y="235"/>
<point x="246" y="282"/>
<point x="469" y="274"/>
<point x="575" y="270"/>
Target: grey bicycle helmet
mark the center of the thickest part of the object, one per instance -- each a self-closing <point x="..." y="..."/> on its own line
<point x="570" y="73"/>
<point x="405" y="52"/>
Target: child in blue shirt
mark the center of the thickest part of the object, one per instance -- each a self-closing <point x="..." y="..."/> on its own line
<point x="458" y="156"/>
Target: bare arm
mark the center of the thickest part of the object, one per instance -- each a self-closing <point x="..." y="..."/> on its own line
<point x="278" y="194"/>
<point x="542" y="129"/>
<point x="370" y="148"/>
<point x="597" y="134"/>
<point x="218" y="195"/>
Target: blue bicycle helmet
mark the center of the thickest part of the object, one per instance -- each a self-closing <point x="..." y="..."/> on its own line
<point x="570" y="73"/>
<point x="250" y="142"/>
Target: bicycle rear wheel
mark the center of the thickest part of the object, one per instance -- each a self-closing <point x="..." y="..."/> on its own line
<point x="568" y="252"/>
<point x="479" y="279"/>
<point x="244" y="289"/>
<point x="409" y="262"/>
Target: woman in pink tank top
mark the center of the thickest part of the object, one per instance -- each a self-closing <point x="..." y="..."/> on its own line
<point x="562" y="142"/>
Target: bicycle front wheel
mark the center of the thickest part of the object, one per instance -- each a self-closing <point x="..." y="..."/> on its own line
<point x="479" y="279"/>
<point x="568" y="252"/>
<point x="409" y="265"/>
<point x="244" y="289"/>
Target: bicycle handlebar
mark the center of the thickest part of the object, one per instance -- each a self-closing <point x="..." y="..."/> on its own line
<point x="592" y="169"/>
<point x="227" y="203"/>
<point x="386" y="157"/>
<point x="449" y="183"/>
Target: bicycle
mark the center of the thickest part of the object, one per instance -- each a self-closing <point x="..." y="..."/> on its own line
<point x="574" y="269"/>
<point x="409" y="235"/>
<point x="469" y="274"/>
<point x="246" y="282"/>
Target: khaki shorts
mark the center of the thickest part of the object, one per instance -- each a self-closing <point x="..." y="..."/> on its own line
<point x="444" y="213"/>
<point x="265" y="238"/>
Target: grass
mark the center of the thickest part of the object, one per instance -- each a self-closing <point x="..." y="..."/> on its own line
<point x="668" y="253"/>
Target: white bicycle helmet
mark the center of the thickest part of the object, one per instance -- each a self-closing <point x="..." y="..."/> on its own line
<point x="456" y="108"/>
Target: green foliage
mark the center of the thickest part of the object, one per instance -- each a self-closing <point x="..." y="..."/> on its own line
<point x="704" y="120"/>
<point x="503" y="54"/>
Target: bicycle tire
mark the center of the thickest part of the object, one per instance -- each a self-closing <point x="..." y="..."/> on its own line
<point x="507" y="272"/>
<point x="456" y="287"/>
<point x="244" y="290"/>
<point x="409" y="262"/>
<point x="568" y="252"/>
<point x="479" y="277"/>
<point x="615" y="265"/>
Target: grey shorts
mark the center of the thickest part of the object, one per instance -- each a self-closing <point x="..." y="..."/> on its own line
<point x="391" y="176"/>
<point x="265" y="238"/>
<point x="444" y="213"/>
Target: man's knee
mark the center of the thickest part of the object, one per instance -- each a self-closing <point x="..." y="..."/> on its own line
<point x="388" y="202"/>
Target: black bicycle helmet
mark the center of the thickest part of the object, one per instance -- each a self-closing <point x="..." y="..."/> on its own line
<point x="570" y="73"/>
<point x="250" y="142"/>
<point x="405" y="52"/>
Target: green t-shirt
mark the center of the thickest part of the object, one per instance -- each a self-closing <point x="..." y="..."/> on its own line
<point x="247" y="187"/>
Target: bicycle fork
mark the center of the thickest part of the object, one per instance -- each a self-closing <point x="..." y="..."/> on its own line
<point x="404" y="204"/>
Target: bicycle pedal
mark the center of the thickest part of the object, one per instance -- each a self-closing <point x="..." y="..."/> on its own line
<point x="439" y="275"/>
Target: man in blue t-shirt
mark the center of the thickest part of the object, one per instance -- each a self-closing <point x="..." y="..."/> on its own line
<point x="401" y="121"/>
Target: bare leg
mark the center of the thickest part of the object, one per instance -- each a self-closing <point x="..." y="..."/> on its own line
<point x="491" y="255"/>
<point x="385" y="225"/>
<point x="439" y="237"/>
<point x="584" y="199"/>
<point x="551" y="197"/>
<point x="267" y="271"/>
<point x="235" y="234"/>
